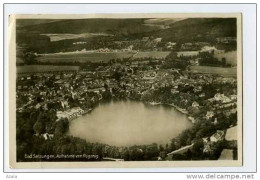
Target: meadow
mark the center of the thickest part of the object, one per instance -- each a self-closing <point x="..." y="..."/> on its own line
<point x="99" y="56"/>
<point x="214" y="70"/>
<point x="152" y="54"/>
<point x="84" y="57"/>
<point x="63" y="36"/>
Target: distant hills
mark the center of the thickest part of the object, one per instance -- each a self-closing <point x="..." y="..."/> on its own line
<point x="191" y="29"/>
<point x="197" y="29"/>
<point x="77" y="26"/>
<point x="31" y="33"/>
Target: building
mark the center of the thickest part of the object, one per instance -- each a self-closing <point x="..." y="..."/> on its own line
<point x="226" y="40"/>
<point x="187" y="53"/>
<point x="157" y="40"/>
<point x="194" y="62"/>
<point x="195" y="104"/>
<point x="218" y="136"/>
<point x="47" y="136"/>
<point x="209" y="114"/>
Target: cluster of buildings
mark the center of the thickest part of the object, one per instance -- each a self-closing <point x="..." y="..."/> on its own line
<point x="73" y="93"/>
<point x="70" y="114"/>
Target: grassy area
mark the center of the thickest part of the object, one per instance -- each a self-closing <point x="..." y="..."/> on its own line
<point x="99" y="57"/>
<point x="44" y="68"/>
<point x="60" y="36"/>
<point x="214" y="70"/>
<point x="84" y="57"/>
<point x="152" y="54"/>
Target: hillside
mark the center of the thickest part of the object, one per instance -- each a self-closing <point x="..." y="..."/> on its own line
<point x="30" y="33"/>
<point x="196" y="29"/>
<point x="77" y="26"/>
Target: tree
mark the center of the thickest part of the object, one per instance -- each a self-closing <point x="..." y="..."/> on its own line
<point x="117" y="75"/>
<point x="29" y="58"/>
<point x="126" y="155"/>
<point x="39" y="127"/>
<point x="172" y="56"/>
<point x="223" y="60"/>
<point x="197" y="150"/>
<point x="61" y="127"/>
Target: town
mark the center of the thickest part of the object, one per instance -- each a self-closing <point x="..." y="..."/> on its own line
<point x="53" y="98"/>
<point x="65" y="69"/>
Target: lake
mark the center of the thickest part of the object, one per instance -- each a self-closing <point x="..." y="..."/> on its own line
<point x="127" y="123"/>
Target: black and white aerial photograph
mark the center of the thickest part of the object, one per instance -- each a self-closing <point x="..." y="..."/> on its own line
<point x="128" y="88"/>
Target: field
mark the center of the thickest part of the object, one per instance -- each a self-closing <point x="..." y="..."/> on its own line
<point x="99" y="56"/>
<point x="59" y="37"/>
<point x="231" y="57"/>
<point x="44" y="68"/>
<point x="152" y="54"/>
<point x="214" y="70"/>
<point x="84" y="57"/>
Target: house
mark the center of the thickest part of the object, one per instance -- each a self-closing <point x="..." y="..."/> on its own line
<point x="233" y="97"/>
<point x="218" y="136"/>
<point x="187" y="53"/>
<point x="192" y="119"/>
<point x="197" y="89"/>
<point x="226" y="40"/>
<point x="64" y="104"/>
<point x="186" y="46"/>
<point x="205" y="140"/>
<point x="170" y="45"/>
<point x="217" y="97"/>
<point x="57" y="77"/>
<point x="194" y="62"/>
<point x="209" y="49"/>
<point x="207" y="145"/>
<point x="222" y="98"/>
<point x="202" y="95"/>
<point x="47" y="136"/>
<point x="157" y="40"/>
<point x="37" y="106"/>
<point x="225" y="99"/>
<point x="215" y="121"/>
<point x="97" y="90"/>
<point x="174" y="91"/>
<point x="209" y="114"/>
<point x="195" y="104"/>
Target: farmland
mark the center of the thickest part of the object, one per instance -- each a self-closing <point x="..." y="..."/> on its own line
<point x="99" y="56"/>
<point x="84" y="57"/>
<point x="59" y="37"/>
<point x="44" y="68"/>
<point x="214" y="70"/>
<point x="152" y="54"/>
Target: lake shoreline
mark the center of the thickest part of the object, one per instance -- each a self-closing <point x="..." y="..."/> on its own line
<point x="171" y="121"/>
